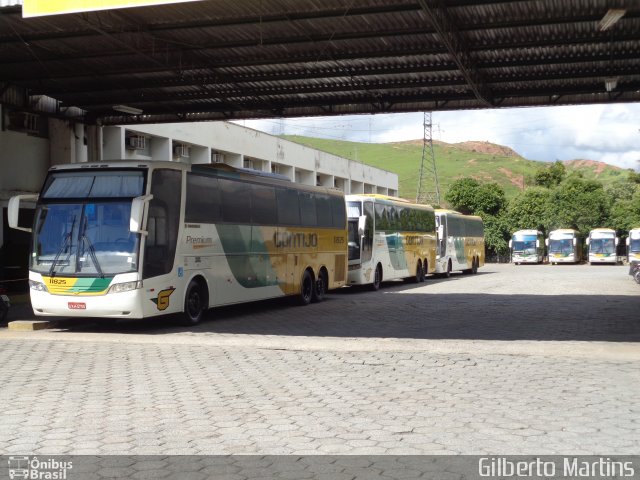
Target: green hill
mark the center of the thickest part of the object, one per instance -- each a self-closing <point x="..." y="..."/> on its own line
<point x="483" y="161"/>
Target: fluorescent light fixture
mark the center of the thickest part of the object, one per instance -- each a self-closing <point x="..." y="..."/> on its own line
<point x="611" y="18"/>
<point x="126" y="109"/>
<point x="610" y="83"/>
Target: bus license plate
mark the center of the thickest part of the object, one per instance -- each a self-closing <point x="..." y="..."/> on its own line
<point x="77" y="306"/>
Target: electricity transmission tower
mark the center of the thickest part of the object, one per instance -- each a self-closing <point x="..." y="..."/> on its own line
<point x="428" y="188"/>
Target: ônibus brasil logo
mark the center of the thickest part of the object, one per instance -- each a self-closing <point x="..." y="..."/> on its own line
<point x="36" y="469"/>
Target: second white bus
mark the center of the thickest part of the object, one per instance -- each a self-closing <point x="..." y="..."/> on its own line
<point x="460" y="242"/>
<point x="389" y="238"/>
<point x="564" y="246"/>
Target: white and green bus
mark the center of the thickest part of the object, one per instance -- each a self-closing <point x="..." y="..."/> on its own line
<point x="389" y="238"/>
<point x="602" y="244"/>
<point x="527" y="246"/>
<point x="140" y="239"/>
<point x="633" y="245"/>
<point x="460" y="242"/>
<point x="564" y="246"/>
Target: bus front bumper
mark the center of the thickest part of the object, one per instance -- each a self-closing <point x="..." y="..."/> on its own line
<point x="114" y="305"/>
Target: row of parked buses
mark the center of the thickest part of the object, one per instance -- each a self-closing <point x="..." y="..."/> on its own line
<point x="566" y="246"/>
<point x="140" y="239"/>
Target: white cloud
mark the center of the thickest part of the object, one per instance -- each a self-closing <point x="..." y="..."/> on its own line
<point x="608" y="133"/>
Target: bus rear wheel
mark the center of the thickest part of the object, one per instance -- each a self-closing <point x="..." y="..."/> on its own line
<point x="321" y="286"/>
<point x="419" y="276"/>
<point x="447" y="274"/>
<point x="193" y="304"/>
<point x="306" y="289"/>
<point x="474" y="268"/>
<point x="377" y="278"/>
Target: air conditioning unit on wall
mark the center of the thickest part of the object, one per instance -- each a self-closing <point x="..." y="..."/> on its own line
<point x="136" y="142"/>
<point x="181" y="151"/>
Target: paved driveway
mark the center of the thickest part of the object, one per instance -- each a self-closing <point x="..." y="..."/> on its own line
<point x="528" y="359"/>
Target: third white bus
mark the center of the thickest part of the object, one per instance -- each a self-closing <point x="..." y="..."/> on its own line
<point x="602" y="244"/>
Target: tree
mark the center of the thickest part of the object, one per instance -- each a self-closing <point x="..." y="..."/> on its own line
<point x="625" y="214"/>
<point x="621" y="190"/>
<point x="579" y="204"/>
<point x="496" y="234"/>
<point x="462" y="195"/>
<point x="529" y="210"/>
<point x="488" y="201"/>
<point x="550" y="176"/>
<point x="468" y="196"/>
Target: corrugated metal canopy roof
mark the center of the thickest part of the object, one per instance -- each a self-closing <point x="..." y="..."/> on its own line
<point x="229" y="59"/>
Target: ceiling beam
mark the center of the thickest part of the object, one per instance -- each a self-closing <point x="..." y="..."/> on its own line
<point x="457" y="48"/>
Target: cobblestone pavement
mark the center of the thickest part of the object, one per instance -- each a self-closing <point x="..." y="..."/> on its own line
<point x="517" y="360"/>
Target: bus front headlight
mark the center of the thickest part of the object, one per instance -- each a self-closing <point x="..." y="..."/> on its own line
<point x="37" y="286"/>
<point x="124" y="287"/>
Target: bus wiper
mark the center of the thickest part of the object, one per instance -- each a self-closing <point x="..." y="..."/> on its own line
<point x="67" y="241"/>
<point x="84" y="240"/>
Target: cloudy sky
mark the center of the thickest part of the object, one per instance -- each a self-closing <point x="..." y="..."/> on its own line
<point x="608" y="133"/>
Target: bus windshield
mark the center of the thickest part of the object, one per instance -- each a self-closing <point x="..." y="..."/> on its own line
<point x="564" y="246"/>
<point x="91" y="239"/>
<point x="524" y="244"/>
<point x="634" y="245"/>
<point x="602" y="245"/>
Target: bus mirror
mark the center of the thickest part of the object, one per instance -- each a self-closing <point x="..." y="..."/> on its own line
<point x="575" y="241"/>
<point x="546" y="242"/>
<point x="587" y="241"/>
<point x="13" y="210"/>
<point x="617" y="241"/>
<point x="537" y="243"/>
<point x="139" y="206"/>
<point x="627" y="241"/>
<point x="510" y="243"/>
<point x="441" y="232"/>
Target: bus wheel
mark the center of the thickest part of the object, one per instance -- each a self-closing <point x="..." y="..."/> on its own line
<point x="419" y="278"/>
<point x="321" y="286"/>
<point x="306" y="289"/>
<point x="377" y="278"/>
<point x="474" y="268"/>
<point x="193" y="304"/>
<point x="425" y="269"/>
<point x="447" y="274"/>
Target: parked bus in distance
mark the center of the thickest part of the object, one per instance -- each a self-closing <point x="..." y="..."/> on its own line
<point x="389" y="238"/>
<point x="602" y="244"/>
<point x="460" y="242"/>
<point x="564" y="246"/>
<point x="527" y="246"/>
<point x="633" y="245"/>
<point x="140" y="239"/>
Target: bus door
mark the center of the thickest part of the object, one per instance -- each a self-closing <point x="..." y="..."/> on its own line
<point x="366" y="223"/>
<point x="442" y="236"/>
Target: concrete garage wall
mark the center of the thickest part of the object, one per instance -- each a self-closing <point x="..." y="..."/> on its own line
<point x="240" y="146"/>
<point x="24" y="161"/>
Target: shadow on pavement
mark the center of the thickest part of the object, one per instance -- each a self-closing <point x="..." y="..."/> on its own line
<point x="399" y="312"/>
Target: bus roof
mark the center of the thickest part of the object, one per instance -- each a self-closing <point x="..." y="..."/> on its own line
<point x="386" y="198"/>
<point x="606" y="230"/>
<point x="564" y="230"/>
<point x="446" y="211"/>
<point x="217" y="169"/>
<point x="528" y="232"/>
